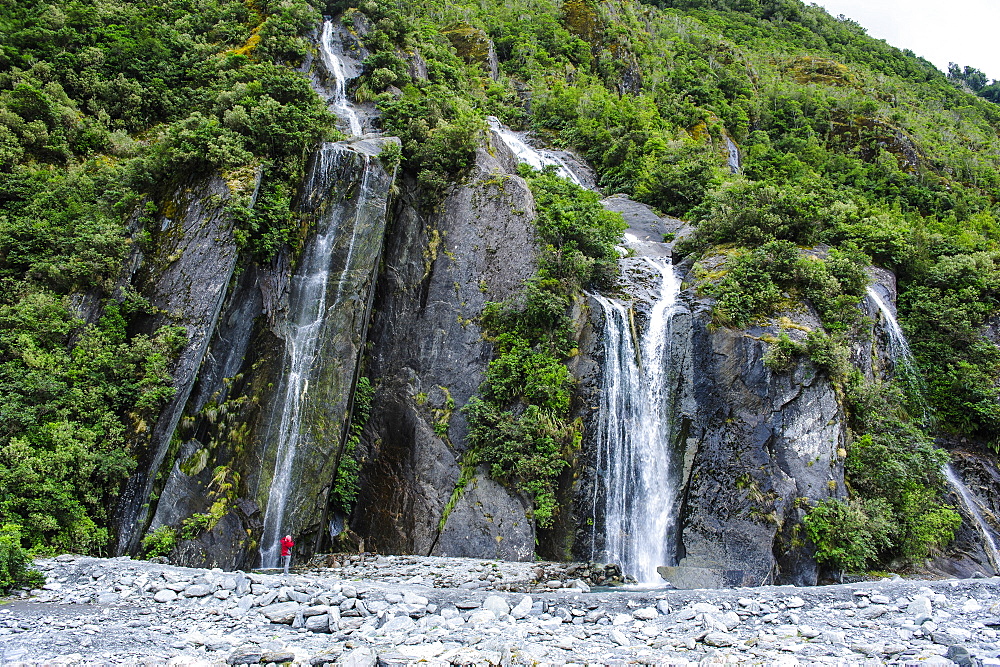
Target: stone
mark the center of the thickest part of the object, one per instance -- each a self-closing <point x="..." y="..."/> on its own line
<point x="497" y="605"/>
<point x="282" y="612"/>
<point x="277" y="657"/>
<point x="522" y="608"/>
<point x="359" y="657"/>
<point x="165" y="595"/>
<point x="413" y="598"/>
<point x="719" y="639"/>
<point x="618" y="637"/>
<point x="645" y="614"/>
<point x="398" y="624"/>
<point x="959" y="634"/>
<point x="663" y="607"/>
<point x="320" y="623"/>
<point x="960" y="656"/>
<point x="920" y="606"/>
<point x="244" y="656"/>
<point x="197" y="591"/>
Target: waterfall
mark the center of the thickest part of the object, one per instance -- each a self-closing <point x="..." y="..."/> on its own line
<point x="308" y="310"/>
<point x="636" y="433"/>
<point x="335" y="66"/>
<point x="536" y="158"/>
<point x="899" y="348"/>
<point x="899" y="351"/>
<point x="973" y="507"/>
<point x="732" y="155"/>
<point x="346" y="190"/>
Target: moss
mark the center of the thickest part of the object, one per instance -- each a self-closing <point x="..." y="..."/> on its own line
<point x="471" y="43"/>
<point x="580" y="18"/>
<point x="812" y="69"/>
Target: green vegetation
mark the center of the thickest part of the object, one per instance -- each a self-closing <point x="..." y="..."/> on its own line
<point x="521" y="426"/>
<point x="15" y="563"/>
<point x="105" y="109"/>
<point x="159" y="542"/>
<point x="345" y="486"/>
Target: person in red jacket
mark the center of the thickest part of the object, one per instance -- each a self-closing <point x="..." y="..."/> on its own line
<point x="286" y="550"/>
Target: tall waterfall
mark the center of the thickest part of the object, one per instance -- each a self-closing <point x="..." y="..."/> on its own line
<point x="536" y="158"/>
<point x="972" y="505"/>
<point x="308" y="306"/>
<point x="899" y="351"/>
<point x="635" y="456"/>
<point x="335" y="66"/>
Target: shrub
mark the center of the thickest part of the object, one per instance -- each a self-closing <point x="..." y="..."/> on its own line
<point x="850" y="535"/>
<point x="159" y="542"/>
<point x="15" y="563"/>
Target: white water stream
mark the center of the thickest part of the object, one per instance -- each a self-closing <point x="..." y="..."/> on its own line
<point x="899" y="348"/>
<point x="536" y="158"/>
<point x="636" y="433"/>
<point x="308" y="305"/>
<point x="341" y="105"/>
<point x="899" y="351"/>
<point x="972" y="505"/>
<point x="732" y="156"/>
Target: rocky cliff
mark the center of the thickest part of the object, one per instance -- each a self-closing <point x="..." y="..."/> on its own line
<point x="753" y="447"/>
<point x="428" y="358"/>
<point x="283" y="329"/>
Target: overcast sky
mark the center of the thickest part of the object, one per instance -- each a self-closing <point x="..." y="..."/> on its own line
<point x="942" y="31"/>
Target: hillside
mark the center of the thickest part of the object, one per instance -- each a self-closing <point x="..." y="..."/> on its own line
<point x="798" y="150"/>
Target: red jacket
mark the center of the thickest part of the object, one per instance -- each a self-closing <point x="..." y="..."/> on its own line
<point x="286" y="546"/>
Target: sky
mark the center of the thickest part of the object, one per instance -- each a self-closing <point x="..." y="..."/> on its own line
<point x="942" y="31"/>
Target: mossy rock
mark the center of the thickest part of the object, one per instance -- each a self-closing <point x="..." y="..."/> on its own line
<point x="581" y="19"/>
<point x="472" y="44"/>
<point x="810" y="69"/>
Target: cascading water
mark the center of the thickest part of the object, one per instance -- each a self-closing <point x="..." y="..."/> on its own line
<point x="906" y="370"/>
<point x="309" y="295"/>
<point x="732" y="156"/>
<point x="900" y="353"/>
<point x="536" y="158"/>
<point x="335" y="66"/>
<point x="636" y="431"/>
<point x="972" y="505"/>
<point x="899" y="347"/>
<point x="324" y="314"/>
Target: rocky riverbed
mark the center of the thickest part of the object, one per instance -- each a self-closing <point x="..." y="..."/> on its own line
<point x="447" y="611"/>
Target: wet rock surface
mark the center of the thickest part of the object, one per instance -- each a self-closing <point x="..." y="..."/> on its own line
<point x="428" y="357"/>
<point x="404" y="610"/>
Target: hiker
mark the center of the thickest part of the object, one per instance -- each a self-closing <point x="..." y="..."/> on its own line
<point x="286" y="551"/>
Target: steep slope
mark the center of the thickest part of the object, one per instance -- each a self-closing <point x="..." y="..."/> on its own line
<point x="201" y="327"/>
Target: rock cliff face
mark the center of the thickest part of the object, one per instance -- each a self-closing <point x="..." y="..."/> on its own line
<point x="429" y="357"/>
<point x="239" y="421"/>
<point x="761" y="446"/>
<point x="248" y="447"/>
<point x="184" y="276"/>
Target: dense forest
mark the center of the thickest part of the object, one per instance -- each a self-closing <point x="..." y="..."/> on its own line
<point x="849" y="144"/>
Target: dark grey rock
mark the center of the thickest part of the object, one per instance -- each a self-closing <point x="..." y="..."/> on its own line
<point x="960" y="656"/>
<point x="429" y="357"/>
<point x="184" y="277"/>
<point x="245" y="656"/>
